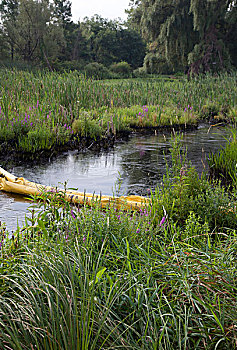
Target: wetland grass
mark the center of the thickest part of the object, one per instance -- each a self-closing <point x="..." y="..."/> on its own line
<point x="38" y="110"/>
<point x="223" y="164"/>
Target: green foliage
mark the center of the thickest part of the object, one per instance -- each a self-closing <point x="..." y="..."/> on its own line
<point x="183" y="191"/>
<point x="43" y="33"/>
<point x="42" y="138"/>
<point x="87" y="127"/>
<point x="82" y="278"/>
<point x="122" y="68"/>
<point x="187" y="33"/>
<point x="32" y="32"/>
<point x="223" y="163"/>
<point x="157" y="63"/>
<point x="97" y="70"/>
<point x="211" y="109"/>
<point x="110" y="41"/>
<point x="140" y="73"/>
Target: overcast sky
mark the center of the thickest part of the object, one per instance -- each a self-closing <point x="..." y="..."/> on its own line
<point x="110" y="9"/>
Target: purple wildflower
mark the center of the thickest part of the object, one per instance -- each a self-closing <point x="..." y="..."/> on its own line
<point x="73" y="215"/>
<point x="162" y="221"/>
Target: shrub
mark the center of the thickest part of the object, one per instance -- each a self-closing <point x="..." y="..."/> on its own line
<point x="140" y="72"/>
<point x="85" y="126"/>
<point x="122" y="68"/>
<point x="97" y="70"/>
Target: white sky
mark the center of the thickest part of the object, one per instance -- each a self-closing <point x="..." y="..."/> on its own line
<point x="110" y="9"/>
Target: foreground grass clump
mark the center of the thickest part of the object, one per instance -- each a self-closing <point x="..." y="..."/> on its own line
<point x="107" y="284"/>
<point x="162" y="278"/>
<point x="44" y="111"/>
<point x="223" y="165"/>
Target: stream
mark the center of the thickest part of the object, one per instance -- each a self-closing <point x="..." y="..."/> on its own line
<point x="133" y="166"/>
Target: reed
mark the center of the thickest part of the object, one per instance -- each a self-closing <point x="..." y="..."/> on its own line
<point x="47" y="104"/>
<point x="222" y="164"/>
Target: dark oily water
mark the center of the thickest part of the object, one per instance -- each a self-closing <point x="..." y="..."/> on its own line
<point x="134" y="166"/>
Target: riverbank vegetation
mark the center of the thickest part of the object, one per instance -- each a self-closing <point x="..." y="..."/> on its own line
<point x="45" y="111"/>
<point x="223" y="164"/>
<point x="162" y="278"/>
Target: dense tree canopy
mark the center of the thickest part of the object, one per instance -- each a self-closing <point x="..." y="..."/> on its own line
<point x="195" y="33"/>
<point x="42" y="31"/>
<point x="31" y="30"/>
<point x="111" y="41"/>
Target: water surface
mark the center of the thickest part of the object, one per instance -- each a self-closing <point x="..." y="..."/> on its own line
<point x="132" y="166"/>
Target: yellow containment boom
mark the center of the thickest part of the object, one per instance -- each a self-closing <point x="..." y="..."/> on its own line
<point x="19" y="185"/>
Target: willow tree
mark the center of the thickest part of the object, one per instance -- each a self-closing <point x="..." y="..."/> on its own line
<point x="168" y="27"/>
<point x="184" y="32"/>
<point x="212" y="20"/>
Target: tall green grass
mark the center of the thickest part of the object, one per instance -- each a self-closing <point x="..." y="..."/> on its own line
<point x="223" y="164"/>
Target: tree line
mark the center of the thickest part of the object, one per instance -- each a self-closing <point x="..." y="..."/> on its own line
<point x="43" y="33"/>
<point x="160" y="36"/>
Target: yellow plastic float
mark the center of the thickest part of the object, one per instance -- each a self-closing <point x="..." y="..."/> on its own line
<point x="19" y="185"/>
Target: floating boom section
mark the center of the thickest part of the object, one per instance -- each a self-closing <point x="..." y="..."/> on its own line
<point x="19" y="185"/>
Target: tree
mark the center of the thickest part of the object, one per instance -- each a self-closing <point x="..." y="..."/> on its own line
<point x="63" y="11"/>
<point x="112" y="41"/>
<point x="185" y="32"/>
<point x="212" y="21"/>
<point x="8" y="14"/>
<point x="167" y="26"/>
<point x="34" y="33"/>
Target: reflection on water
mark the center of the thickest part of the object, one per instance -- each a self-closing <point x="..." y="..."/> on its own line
<point x="137" y="165"/>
